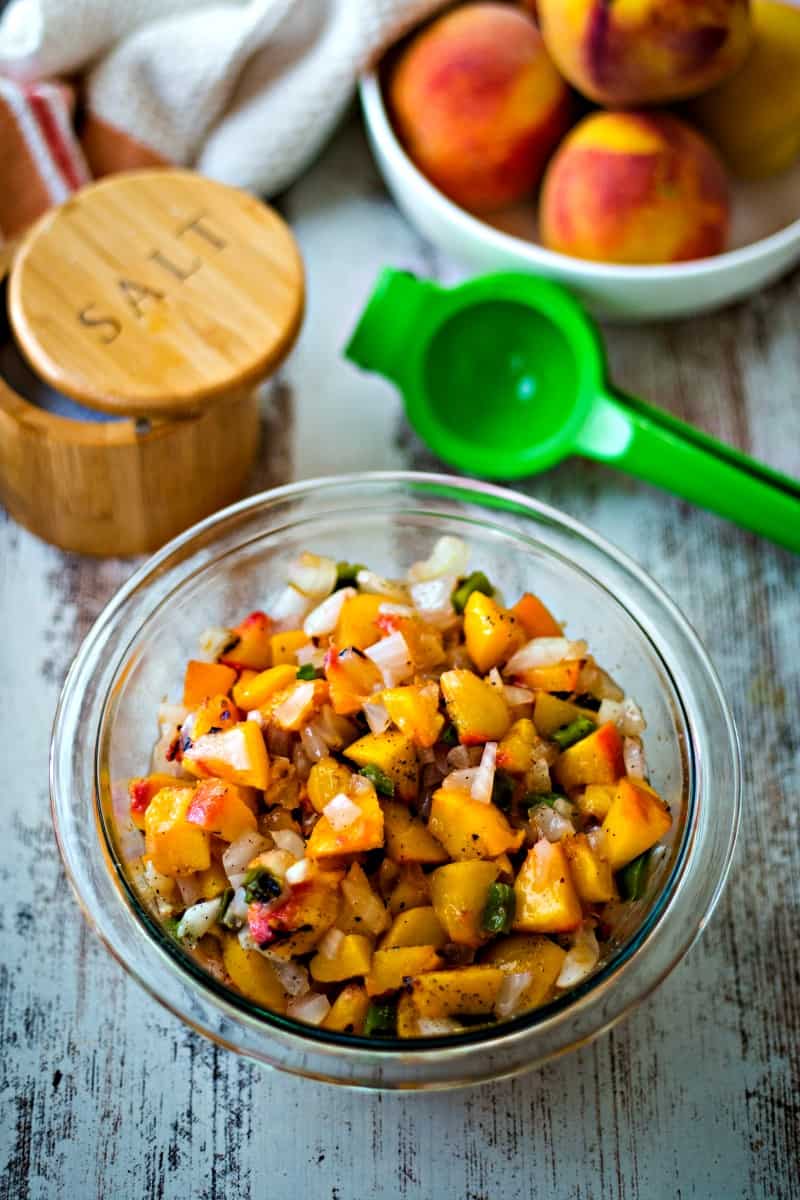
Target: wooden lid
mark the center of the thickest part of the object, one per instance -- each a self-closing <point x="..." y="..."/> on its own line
<point x="154" y="292"/>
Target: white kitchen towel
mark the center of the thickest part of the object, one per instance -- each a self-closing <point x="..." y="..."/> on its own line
<point x="246" y="91"/>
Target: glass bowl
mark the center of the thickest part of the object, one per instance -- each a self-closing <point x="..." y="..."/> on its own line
<point x="134" y="657"/>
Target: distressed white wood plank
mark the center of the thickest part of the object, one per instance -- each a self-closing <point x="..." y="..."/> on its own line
<point x="696" y="1095"/>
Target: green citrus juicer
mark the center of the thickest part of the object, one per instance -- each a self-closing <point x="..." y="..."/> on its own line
<point x="504" y="375"/>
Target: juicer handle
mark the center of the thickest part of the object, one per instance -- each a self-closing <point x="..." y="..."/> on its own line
<point x="625" y="432"/>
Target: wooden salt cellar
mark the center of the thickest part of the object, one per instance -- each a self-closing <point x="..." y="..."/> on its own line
<point x="162" y="298"/>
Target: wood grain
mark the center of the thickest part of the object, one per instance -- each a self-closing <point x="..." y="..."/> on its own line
<point x="695" y="1096"/>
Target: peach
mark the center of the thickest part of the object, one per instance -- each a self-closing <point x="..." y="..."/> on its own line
<point x="635" y="188"/>
<point x="636" y="52"/>
<point x="479" y="104"/>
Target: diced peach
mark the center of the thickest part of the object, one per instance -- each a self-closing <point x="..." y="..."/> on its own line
<point x="238" y="755"/>
<point x="253" y="975"/>
<point x="349" y="1010"/>
<point x="214" y="714"/>
<point x="561" y="677"/>
<point x="458" y="894"/>
<point x="550" y="713"/>
<point x="515" y="752"/>
<point x="252" y="646"/>
<point x="284" y="646"/>
<point x="358" y="621"/>
<point x="470" y="990"/>
<point x="468" y="828"/>
<point x="595" y="799"/>
<point x="142" y="791"/>
<point x="535" y="618"/>
<point x="396" y="756"/>
<point x="327" y="779"/>
<point x="591" y="874"/>
<point x="213" y="881"/>
<point x="353" y="957"/>
<point x="415" y="711"/>
<point x="204" y="679"/>
<point x="423" y="640"/>
<point x="174" y="846"/>
<point x="407" y="837"/>
<point x="391" y="968"/>
<point x="305" y="914"/>
<point x="219" y="808"/>
<point x="259" y="689"/>
<point x="415" y="927"/>
<point x="635" y="188"/>
<point x="491" y="632"/>
<point x="547" y="901"/>
<point x="365" y="833"/>
<point x="478" y="711"/>
<point x="412" y="889"/>
<point x="479" y="104"/>
<point x="352" y="679"/>
<point x="528" y="954"/>
<point x="636" y="820"/>
<point x="595" y="759"/>
<point x="296" y="705"/>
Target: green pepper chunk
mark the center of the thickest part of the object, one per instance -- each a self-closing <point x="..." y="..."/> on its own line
<point x="476" y="582"/>
<point x="449" y="735"/>
<point x="260" y="884"/>
<point x="576" y="731"/>
<point x="171" y="925"/>
<point x="633" y="878"/>
<point x="383" y="785"/>
<point x="307" y="671"/>
<point x="498" y="912"/>
<point x="381" y="1019"/>
<point x="346" y="574"/>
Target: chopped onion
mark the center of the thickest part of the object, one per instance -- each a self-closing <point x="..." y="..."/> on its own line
<point x="460" y="781"/>
<point x="368" y="581"/>
<point x="517" y="695"/>
<point x="458" y="758"/>
<point x="597" y="682"/>
<point x="257" y="717"/>
<point x="162" y="888"/>
<point x="564" y="808"/>
<point x="449" y="556"/>
<point x="550" y="824"/>
<point x="292" y="977"/>
<point x="213" y="641"/>
<point x="483" y="783"/>
<point x="312" y="654"/>
<point x="434" y="597"/>
<point x="301" y="762"/>
<point x="633" y="755"/>
<point x="314" y="745"/>
<point x="197" y="920"/>
<point x="512" y="987"/>
<point x="312" y="1008"/>
<point x="246" y="939"/>
<point x="396" y="610"/>
<point x="597" y="841"/>
<point x="289" y="608"/>
<point x="361" y="786"/>
<point x="313" y="575"/>
<point x="287" y="839"/>
<point x="329" y="946"/>
<point x="241" y="852"/>
<point x="437" y="1026"/>
<point x="298" y="872"/>
<point x="324" y="617"/>
<point x="625" y="714"/>
<point x="236" y="913"/>
<point x="341" y="812"/>
<point x="190" y="888"/>
<point x="392" y="658"/>
<point x="171" y="717"/>
<point x="334" y="728"/>
<point x="289" y="711"/>
<point x="581" y="959"/>
<point x="377" y="717"/>
<point x="545" y="652"/>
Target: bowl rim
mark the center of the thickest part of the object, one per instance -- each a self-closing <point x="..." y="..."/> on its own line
<point x="293" y="1032"/>
<point x="382" y="132"/>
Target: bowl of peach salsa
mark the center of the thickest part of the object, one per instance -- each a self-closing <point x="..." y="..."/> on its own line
<point x="419" y="792"/>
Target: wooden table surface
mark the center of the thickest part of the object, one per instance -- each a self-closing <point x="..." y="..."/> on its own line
<point x="697" y="1094"/>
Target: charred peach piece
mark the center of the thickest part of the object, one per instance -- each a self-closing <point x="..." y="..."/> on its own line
<point x="635" y="188"/>
<point x="645" y="51"/>
<point x="480" y="105"/>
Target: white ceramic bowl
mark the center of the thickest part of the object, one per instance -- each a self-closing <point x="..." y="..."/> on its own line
<point x="765" y="238"/>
